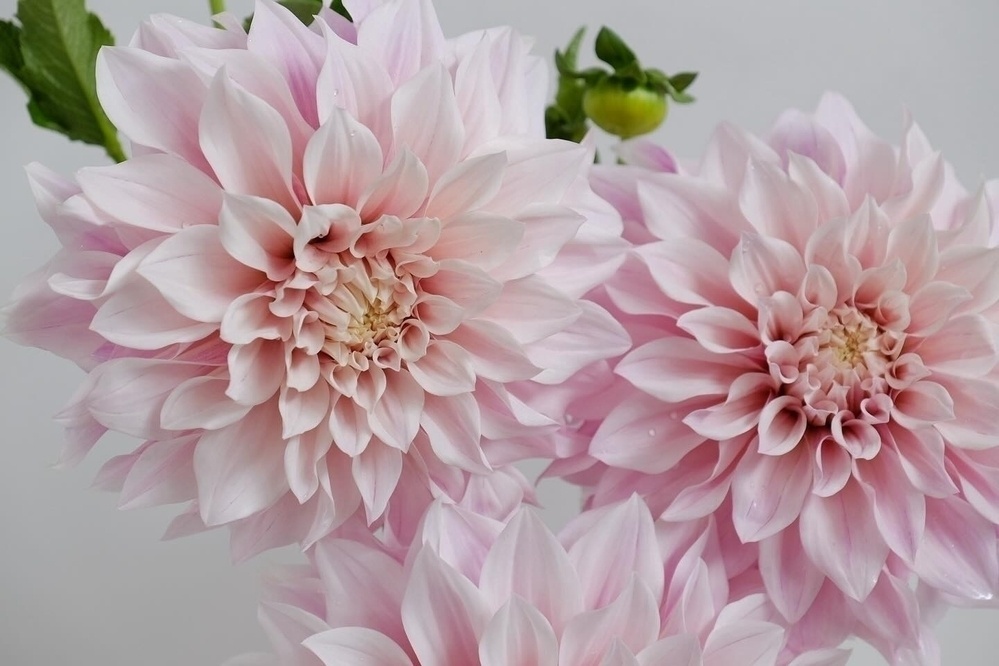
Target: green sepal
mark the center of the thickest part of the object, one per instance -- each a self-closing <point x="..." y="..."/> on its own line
<point x="53" y="55"/>
<point x="338" y="7"/>
<point x="612" y="50"/>
<point x="683" y="80"/>
<point x="674" y="86"/>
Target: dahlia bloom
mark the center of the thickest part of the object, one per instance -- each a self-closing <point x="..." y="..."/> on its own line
<point x="473" y="591"/>
<point x="816" y="331"/>
<point x="337" y="257"/>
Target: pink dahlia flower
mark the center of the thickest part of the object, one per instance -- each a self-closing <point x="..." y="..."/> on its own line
<point x="337" y="258"/>
<point x="817" y="326"/>
<point x="475" y="592"/>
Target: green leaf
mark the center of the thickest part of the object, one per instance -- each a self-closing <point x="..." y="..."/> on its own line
<point x="10" y="49"/>
<point x="59" y="41"/>
<point x="305" y="10"/>
<point x="613" y="51"/>
<point x="682" y="80"/>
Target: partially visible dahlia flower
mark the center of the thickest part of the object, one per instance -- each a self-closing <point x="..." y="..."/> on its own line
<point x="337" y="253"/>
<point x="475" y="592"/>
<point x="816" y="329"/>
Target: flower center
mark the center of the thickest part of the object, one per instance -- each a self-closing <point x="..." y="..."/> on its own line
<point x="851" y="341"/>
<point x="379" y="322"/>
<point x="362" y="307"/>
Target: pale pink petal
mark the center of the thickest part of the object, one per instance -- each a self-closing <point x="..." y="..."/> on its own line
<point x="683" y="650"/>
<point x="675" y="369"/>
<point x="749" y="643"/>
<point x="828" y="657"/>
<point x="965" y="346"/>
<point x="618" y="547"/>
<point x="899" y="508"/>
<point x="768" y="492"/>
<point x="720" y="330"/>
<point x="891" y="611"/>
<point x="762" y="266"/>
<point x="162" y="474"/>
<point x="342" y="160"/>
<point x="349" y="427"/>
<point x="240" y="468"/>
<point x="632" y="617"/>
<point x="302" y="411"/>
<point x="255" y="371"/>
<point x="797" y="134"/>
<point x="128" y="394"/>
<point x="157" y="192"/>
<point x="154" y="101"/>
<point x="201" y="402"/>
<point x="496" y="355"/>
<point x="478" y="95"/>
<point x="356" y="646"/>
<point x="258" y="233"/>
<point x="302" y="456"/>
<point x="356" y="83"/>
<point x="791" y="580"/>
<point x="376" y="472"/>
<point x="449" y="636"/>
<point x="247" y="143"/>
<point x="395" y="418"/>
<point x="137" y="316"/>
<point x="642" y="435"/>
<point x="914" y="243"/>
<point x="426" y="120"/>
<point x="453" y="427"/>
<point x="594" y="336"/>
<point x="539" y="174"/>
<point x="546" y="309"/>
<point x="782" y="426"/>
<point x="467" y="186"/>
<point x="196" y="275"/>
<point x="400" y="191"/>
<point x="350" y="570"/>
<point x="958" y="552"/>
<point x="618" y="655"/>
<point x="775" y="205"/>
<point x="840" y="536"/>
<point x="528" y="563"/>
<point x="445" y="370"/>
<point x="405" y="37"/>
<point x="921" y="454"/>
<point x="280" y="38"/>
<point x="922" y="404"/>
<point x="485" y="240"/>
<point x="690" y="271"/>
<point x="518" y="634"/>
<point x="740" y="412"/>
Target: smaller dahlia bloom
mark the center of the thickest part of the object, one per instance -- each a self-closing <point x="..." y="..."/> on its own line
<point x="339" y="256"/>
<point x="615" y="590"/>
<point x="816" y="319"/>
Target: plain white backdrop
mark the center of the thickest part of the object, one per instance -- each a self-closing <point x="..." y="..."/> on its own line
<point x="82" y="583"/>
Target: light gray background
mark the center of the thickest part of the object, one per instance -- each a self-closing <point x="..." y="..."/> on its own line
<point x="82" y="583"/>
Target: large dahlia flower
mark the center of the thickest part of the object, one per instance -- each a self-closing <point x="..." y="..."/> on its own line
<point x="816" y="329"/>
<point x="472" y="591"/>
<point x="337" y="257"/>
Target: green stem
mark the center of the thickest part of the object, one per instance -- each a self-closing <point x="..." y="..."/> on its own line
<point x="113" y="147"/>
<point x="218" y="6"/>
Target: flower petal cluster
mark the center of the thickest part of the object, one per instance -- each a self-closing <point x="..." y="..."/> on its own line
<point x="337" y="252"/>
<point x="473" y="591"/>
<point x="816" y="330"/>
